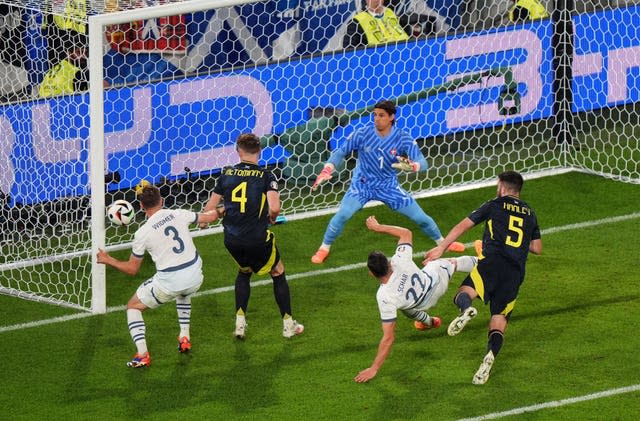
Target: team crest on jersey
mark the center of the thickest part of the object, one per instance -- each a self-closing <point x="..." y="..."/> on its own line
<point x="274" y="185"/>
<point x="393" y="152"/>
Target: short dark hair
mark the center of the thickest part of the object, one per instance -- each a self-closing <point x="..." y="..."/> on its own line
<point x="150" y="196"/>
<point x="386" y="105"/>
<point x="512" y="179"/>
<point x="248" y="142"/>
<point x="378" y="263"/>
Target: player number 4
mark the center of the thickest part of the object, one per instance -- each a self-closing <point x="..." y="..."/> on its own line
<point x="239" y="194"/>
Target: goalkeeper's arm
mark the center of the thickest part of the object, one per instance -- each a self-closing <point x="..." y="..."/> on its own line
<point x="337" y="156"/>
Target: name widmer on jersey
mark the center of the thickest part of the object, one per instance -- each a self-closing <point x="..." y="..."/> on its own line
<point x="245" y="173"/>
<point x="510" y="207"/>
<point x="163" y="221"/>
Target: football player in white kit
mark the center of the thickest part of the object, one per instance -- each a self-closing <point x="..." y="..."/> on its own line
<point x="406" y="287"/>
<point x="166" y="236"/>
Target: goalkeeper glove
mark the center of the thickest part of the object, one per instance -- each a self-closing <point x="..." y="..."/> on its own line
<point x="405" y="164"/>
<point x="324" y="176"/>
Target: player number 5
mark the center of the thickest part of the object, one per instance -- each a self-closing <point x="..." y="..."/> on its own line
<point x="515" y="226"/>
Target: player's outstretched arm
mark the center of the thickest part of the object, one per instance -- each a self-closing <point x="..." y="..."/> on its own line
<point x="208" y="217"/>
<point x="388" y="336"/>
<point x="212" y="205"/>
<point x="324" y="176"/>
<point x="435" y="253"/>
<point x="130" y="267"/>
<point x="404" y="235"/>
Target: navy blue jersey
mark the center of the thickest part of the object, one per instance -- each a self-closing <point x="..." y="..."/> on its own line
<point x="244" y="188"/>
<point x="510" y="225"/>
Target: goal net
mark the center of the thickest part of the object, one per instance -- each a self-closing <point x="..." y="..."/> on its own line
<point x="96" y="96"/>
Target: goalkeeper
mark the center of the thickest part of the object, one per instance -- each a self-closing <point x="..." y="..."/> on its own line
<point x="382" y="149"/>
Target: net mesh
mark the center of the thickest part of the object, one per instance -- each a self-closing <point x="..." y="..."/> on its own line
<point x="481" y="87"/>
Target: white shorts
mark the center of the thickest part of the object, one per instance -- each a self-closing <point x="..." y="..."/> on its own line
<point x="154" y="292"/>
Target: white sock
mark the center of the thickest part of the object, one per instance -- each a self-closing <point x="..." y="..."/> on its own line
<point x="183" y="306"/>
<point x="465" y="263"/>
<point x="137" y="329"/>
<point x="325" y="246"/>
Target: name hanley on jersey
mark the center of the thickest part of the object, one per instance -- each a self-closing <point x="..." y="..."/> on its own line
<point x="163" y="221"/>
<point x="510" y="207"/>
<point x="244" y="173"/>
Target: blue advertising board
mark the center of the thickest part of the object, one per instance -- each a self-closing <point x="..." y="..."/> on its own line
<point x="162" y="129"/>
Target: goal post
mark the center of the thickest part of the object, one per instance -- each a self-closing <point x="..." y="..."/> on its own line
<point x="172" y="85"/>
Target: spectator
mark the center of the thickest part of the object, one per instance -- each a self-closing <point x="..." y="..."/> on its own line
<point x="375" y="25"/>
<point x="526" y="10"/>
<point x="68" y="76"/>
<point x="14" y="78"/>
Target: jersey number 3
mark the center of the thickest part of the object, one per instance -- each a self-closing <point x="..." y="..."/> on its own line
<point x="173" y="232"/>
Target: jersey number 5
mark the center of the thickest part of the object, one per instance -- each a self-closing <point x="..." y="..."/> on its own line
<point x="515" y="226"/>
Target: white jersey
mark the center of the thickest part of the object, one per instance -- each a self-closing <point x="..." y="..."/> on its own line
<point x="410" y="287"/>
<point x="167" y="238"/>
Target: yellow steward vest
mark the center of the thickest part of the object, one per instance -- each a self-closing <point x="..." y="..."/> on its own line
<point x="535" y="8"/>
<point x="58" y="80"/>
<point x="73" y="17"/>
<point x="380" y="30"/>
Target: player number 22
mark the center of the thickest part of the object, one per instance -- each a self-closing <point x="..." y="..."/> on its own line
<point x="515" y="226"/>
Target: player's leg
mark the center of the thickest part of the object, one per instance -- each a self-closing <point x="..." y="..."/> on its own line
<point x="139" y="302"/>
<point x="290" y="327"/>
<point x="350" y="204"/>
<point x="463" y="298"/>
<point x="242" y="256"/>
<point x="242" y="293"/>
<point x="422" y="320"/>
<point x="189" y="276"/>
<point x="183" y="307"/>
<point x="464" y="263"/>
<point x="502" y="303"/>
<point x="426" y="223"/>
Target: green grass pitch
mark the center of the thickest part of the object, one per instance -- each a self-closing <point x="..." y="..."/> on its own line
<point x="573" y="332"/>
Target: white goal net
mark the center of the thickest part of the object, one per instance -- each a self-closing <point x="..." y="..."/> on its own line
<point x="97" y="96"/>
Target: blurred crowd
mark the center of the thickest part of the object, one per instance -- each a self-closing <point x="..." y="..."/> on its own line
<point x="44" y="53"/>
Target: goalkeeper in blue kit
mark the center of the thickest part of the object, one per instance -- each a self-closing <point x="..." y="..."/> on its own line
<point x="382" y="149"/>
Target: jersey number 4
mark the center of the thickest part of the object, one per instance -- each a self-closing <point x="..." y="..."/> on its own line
<point x="239" y="194"/>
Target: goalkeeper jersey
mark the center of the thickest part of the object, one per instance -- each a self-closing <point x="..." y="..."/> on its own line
<point x="376" y="154"/>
